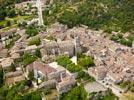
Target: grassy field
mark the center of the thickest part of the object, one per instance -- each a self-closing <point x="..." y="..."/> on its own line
<point x="13" y="21"/>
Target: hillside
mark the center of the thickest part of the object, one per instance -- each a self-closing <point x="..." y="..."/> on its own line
<point x="108" y="15"/>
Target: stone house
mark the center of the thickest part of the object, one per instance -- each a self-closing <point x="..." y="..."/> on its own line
<point x="56" y="28"/>
<point x="5" y="63"/>
<point x="45" y="71"/>
<point x="50" y="84"/>
<point x="70" y="47"/>
<point x="66" y="84"/>
<point x="3" y="53"/>
<point x="101" y="72"/>
<point x="54" y="76"/>
<point x="114" y="77"/>
<point x="14" y="77"/>
<point x="98" y="72"/>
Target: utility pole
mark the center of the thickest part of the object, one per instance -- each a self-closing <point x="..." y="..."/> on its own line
<point x="39" y="7"/>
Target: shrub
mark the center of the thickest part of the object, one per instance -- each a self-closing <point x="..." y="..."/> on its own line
<point x="28" y="59"/>
<point x="31" y="31"/>
<point x="68" y="64"/>
<point x="73" y="68"/>
<point x="34" y="41"/>
<point x="86" y="62"/>
<point x="85" y="76"/>
<point x="126" y="42"/>
<point x="63" y="61"/>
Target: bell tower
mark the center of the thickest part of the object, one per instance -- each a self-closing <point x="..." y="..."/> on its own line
<point x="39" y="7"/>
<point x="77" y="45"/>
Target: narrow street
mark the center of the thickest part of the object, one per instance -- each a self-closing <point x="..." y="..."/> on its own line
<point x="116" y="90"/>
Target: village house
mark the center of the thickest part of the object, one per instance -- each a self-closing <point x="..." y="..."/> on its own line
<point x="114" y="77"/>
<point x="128" y="73"/>
<point x="113" y="56"/>
<point x="45" y="71"/>
<point x="5" y="63"/>
<point x="15" y="55"/>
<point x="94" y="87"/>
<point x="66" y="84"/>
<point x="50" y="84"/>
<point x="42" y="70"/>
<point x="14" y="77"/>
<point x="31" y="49"/>
<point x="3" y="53"/>
<point x="56" y="28"/>
<point x="70" y="47"/>
<point x="53" y="75"/>
<point x="99" y="72"/>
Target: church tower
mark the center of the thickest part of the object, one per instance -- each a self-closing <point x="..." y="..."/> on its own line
<point x="39" y="7"/>
<point x="77" y="45"/>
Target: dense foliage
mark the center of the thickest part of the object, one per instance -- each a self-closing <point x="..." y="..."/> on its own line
<point x="34" y="41"/>
<point x="31" y="31"/>
<point x="17" y="93"/>
<point x="77" y="93"/>
<point x="70" y="18"/>
<point x="68" y="64"/>
<point x="63" y="61"/>
<point x="109" y="15"/>
<point x="28" y="59"/>
<point x="125" y="41"/>
<point x="6" y="9"/>
<point x="85" y="61"/>
<point x="83" y="76"/>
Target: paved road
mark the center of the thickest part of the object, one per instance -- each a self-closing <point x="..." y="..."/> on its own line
<point x="116" y="90"/>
